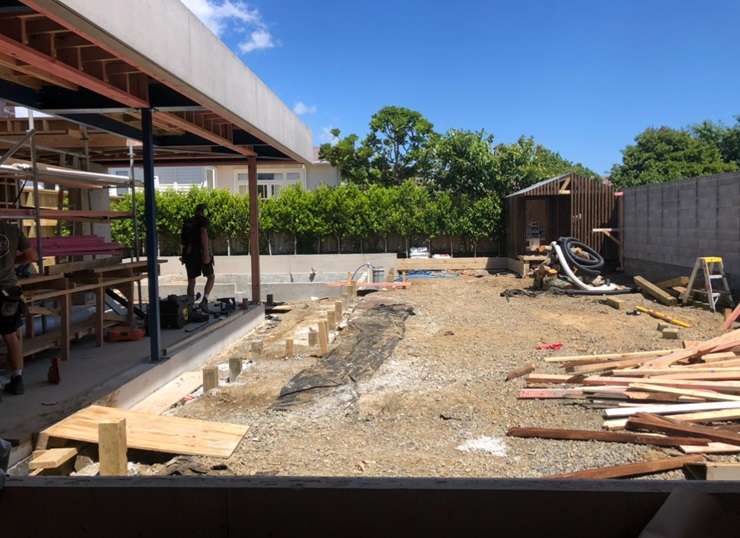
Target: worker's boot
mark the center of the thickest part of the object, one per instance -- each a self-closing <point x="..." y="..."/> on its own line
<point x="15" y="386"/>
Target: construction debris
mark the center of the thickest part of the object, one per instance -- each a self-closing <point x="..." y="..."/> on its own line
<point x="669" y="396"/>
<point x="655" y="291"/>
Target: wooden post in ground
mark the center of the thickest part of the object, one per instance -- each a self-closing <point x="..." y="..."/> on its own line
<point x="210" y="378"/>
<point x="323" y="337"/>
<point x="112" y="447"/>
<point x="289" y="348"/>
<point x="257" y="347"/>
<point x="235" y="368"/>
<point x="331" y="320"/>
<point x="338" y="308"/>
<point x="313" y="337"/>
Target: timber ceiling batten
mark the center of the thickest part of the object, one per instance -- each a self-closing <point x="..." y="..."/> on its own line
<point x="37" y="46"/>
<point x="208" y="126"/>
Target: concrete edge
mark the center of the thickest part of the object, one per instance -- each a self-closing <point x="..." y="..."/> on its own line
<point x="191" y="357"/>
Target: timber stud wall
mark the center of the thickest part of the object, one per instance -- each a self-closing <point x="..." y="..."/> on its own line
<point x="592" y="205"/>
<point x="668" y="225"/>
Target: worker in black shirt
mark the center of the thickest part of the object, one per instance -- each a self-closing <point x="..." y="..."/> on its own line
<point x="196" y="253"/>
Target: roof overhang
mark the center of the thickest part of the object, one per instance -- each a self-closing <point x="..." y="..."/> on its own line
<point x="95" y="64"/>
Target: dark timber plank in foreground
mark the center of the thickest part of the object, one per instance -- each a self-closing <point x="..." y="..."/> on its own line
<point x="607" y="437"/>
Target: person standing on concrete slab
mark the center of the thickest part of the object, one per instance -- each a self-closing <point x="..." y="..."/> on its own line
<point x="15" y="249"/>
<point x="196" y="253"/>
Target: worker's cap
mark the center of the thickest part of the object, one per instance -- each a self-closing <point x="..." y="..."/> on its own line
<point x="201" y="207"/>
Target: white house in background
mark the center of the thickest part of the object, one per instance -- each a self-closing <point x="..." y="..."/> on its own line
<point x="271" y="178"/>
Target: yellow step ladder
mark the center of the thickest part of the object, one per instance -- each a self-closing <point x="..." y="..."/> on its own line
<point x="712" y="270"/>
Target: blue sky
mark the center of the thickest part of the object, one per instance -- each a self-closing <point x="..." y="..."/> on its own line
<point x="582" y="77"/>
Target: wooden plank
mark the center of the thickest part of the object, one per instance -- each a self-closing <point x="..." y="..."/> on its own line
<point x="725" y="355"/>
<point x="672" y="282"/>
<point x="675" y="371"/>
<point x="654" y="291"/>
<point x="553" y="378"/>
<point x="730" y="374"/>
<point x="615" y="303"/>
<point x="663" y="316"/>
<point x="519" y="372"/>
<point x="451" y="264"/>
<point x="704" y="394"/>
<point x="654" y="423"/>
<point x="724" y="342"/>
<point x="52" y="458"/>
<point x="607" y="437"/>
<point x="727" y="325"/>
<point x="720" y="386"/>
<point x="711" y="448"/>
<point x="112" y="447"/>
<point x="545" y="394"/>
<point x="607" y="365"/>
<point x="165" y="397"/>
<point x="630" y="469"/>
<point x="721" y="470"/>
<point x="170" y="435"/>
<point x="608" y="356"/>
<point x="667" y="409"/>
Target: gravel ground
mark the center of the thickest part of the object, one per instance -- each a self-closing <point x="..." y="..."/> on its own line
<point x="443" y="387"/>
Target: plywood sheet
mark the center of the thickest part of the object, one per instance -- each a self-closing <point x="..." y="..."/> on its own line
<point x="171" y="435"/>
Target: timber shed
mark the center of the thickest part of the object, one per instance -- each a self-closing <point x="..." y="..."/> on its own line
<point x="565" y="205"/>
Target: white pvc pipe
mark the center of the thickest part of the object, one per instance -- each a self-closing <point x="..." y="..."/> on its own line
<point x="573" y="278"/>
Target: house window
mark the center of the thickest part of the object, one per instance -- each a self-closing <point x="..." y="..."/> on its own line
<point x="269" y="183"/>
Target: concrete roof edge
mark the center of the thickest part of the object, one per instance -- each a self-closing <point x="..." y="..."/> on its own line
<point x="189" y="57"/>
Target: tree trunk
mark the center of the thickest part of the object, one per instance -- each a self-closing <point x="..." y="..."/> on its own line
<point x="269" y="244"/>
<point x="339" y="245"/>
<point x="319" y="250"/>
<point x="475" y="249"/>
<point x="407" y="247"/>
<point x="452" y="247"/>
<point x="429" y="246"/>
<point x="362" y="246"/>
<point x="295" y="244"/>
<point x="385" y="241"/>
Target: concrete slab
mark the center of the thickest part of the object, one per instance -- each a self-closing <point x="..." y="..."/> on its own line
<point x="95" y="373"/>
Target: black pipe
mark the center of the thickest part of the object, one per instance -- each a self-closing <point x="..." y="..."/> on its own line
<point x="592" y="265"/>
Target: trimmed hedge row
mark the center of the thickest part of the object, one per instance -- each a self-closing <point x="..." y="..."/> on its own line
<point x="346" y="213"/>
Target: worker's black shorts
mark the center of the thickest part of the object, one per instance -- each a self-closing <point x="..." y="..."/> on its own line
<point x="11" y="310"/>
<point x="196" y="268"/>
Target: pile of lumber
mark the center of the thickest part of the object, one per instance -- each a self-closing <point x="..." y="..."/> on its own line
<point x="687" y="399"/>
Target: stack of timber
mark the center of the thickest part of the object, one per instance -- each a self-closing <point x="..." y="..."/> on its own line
<point x="686" y="399"/>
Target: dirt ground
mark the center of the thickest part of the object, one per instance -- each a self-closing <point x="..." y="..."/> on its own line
<point x="443" y="387"/>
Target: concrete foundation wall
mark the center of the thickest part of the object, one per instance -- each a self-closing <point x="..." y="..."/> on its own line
<point x="667" y="226"/>
<point x="331" y="263"/>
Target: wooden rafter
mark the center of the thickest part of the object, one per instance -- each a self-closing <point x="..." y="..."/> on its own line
<point x="177" y="120"/>
<point x="58" y="68"/>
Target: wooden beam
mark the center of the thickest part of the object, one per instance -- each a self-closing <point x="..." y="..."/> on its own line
<point x="112" y="447"/>
<point x="52" y="458"/>
<point x="667" y="409"/>
<point x="609" y="356"/>
<point x="704" y="394"/>
<point x="12" y="63"/>
<point x="653" y="423"/>
<point x="72" y="75"/>
<point x="606" y="437"/>
<point x="630" y="469"/>
<point x="210" y="378"/>
<point x="174" y="120"/>
<point x="654" y="291"/>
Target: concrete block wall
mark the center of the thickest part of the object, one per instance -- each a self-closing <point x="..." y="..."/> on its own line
<point x="667" y="226"/>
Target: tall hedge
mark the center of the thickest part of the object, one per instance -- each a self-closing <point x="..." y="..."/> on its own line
<point x="410" y="211"/>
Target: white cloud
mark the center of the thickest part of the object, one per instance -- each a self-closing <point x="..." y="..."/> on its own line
<point x="302" y="108"/>
<point x="224" y="15"/>
<point x="326" y="137"/>
<point x="258" y="39"/>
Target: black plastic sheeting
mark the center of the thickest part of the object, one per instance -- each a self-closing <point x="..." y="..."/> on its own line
<point x="366" y="343"/>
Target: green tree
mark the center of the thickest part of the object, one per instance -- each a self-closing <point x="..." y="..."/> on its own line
<point x="269" y="219"/>
<point x="409" y="217"/>
<point x="664" y="154"/>
<point x="726" y="139"/>
<point x="446" y="214"/>
<point x="350" y="158"/>
<point x="399" y="142"/>
<point x="381" y="201"/>
<point x="292" y="213"/>
<point x="481" y="219"/>
<point x="526" y="162"/>
<point x="463" y="162"/>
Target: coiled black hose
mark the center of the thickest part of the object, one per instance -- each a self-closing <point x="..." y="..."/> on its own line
<point x="591" y="265"/>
